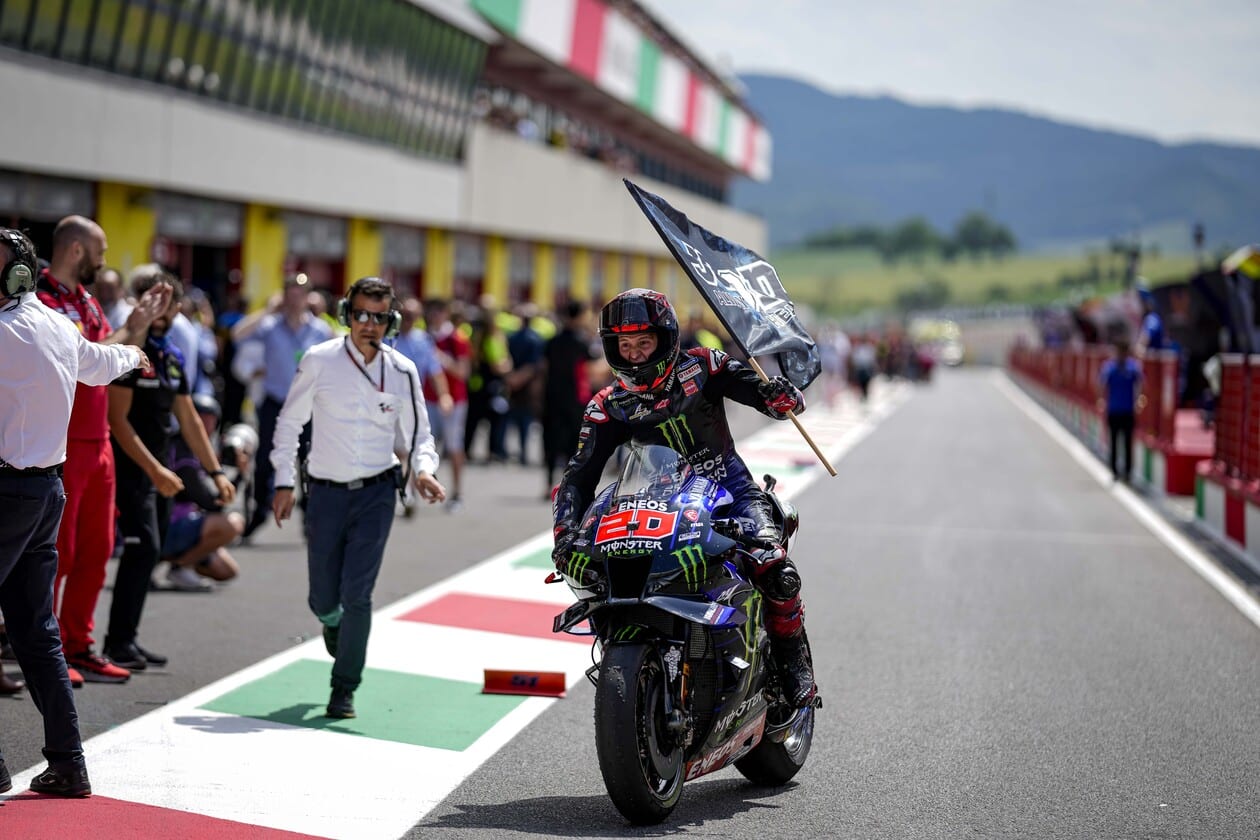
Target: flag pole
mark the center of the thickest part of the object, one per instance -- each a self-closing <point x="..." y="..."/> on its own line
<point x="792" y="416"/>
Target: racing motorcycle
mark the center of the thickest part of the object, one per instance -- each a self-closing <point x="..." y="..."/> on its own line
<point x="684" y="679"/>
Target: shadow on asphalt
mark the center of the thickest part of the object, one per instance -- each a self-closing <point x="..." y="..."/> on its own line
<point x="595" y="816"/>
<point x="233" y="725"/>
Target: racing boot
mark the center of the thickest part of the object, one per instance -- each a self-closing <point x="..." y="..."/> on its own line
<point x="775" y="575"/>
<point x="796" y="669"/>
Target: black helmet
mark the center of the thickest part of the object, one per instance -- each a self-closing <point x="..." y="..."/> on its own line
<point x="635" y="311"/>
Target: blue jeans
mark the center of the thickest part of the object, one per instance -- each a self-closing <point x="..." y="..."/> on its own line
<point x="346" y="532"/>
<point x="28" y="565"/>
<point x="519" y="420"/>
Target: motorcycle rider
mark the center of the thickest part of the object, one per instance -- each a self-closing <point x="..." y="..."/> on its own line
<point x="675" y="398"/>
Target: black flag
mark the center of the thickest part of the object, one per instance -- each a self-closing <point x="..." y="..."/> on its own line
<point x="743" y="289"/>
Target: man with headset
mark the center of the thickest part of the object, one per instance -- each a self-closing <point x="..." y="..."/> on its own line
<point x="366" y="404"/>
<point x="44" y="355"/>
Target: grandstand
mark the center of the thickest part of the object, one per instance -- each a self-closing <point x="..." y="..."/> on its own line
<point x="455" y="147"/>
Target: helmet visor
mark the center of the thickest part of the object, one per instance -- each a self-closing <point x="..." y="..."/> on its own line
<point x="627" y="315"/>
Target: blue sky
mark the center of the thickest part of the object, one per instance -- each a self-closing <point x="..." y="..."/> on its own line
<point x="1173" y="70"/>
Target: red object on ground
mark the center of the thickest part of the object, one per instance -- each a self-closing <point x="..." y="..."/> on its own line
<point x="1191" y="445"/>
<point x="529" y="683"/>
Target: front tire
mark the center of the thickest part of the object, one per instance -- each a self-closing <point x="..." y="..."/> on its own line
<point x="642" y="767"/>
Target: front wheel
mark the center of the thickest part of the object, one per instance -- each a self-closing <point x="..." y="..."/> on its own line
<point x="641" y="764"/>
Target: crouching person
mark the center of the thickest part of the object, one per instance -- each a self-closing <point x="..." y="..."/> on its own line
<point x="201" y="529"/>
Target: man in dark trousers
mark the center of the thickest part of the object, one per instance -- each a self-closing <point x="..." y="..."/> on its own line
<point x="44" y="356"/>
<point x="1120" y="383"/>
<point x="361" y="397"/>
<point x="566" y="389"/>
<point x="145" y="412"/>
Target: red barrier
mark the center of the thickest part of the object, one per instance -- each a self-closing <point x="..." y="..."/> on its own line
<point x="1159" y="375"/>
<point x="1177" y="435"/>
<point x="1231" y="415"/>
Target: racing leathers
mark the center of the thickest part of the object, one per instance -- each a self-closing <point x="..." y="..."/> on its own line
<point x="687" y="414"/>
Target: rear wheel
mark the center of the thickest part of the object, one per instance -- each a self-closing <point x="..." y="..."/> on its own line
<point x="772" y="762"/>
<point x="641" y="765"/>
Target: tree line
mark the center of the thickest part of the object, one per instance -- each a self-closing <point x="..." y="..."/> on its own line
<point x="975" y="235"/>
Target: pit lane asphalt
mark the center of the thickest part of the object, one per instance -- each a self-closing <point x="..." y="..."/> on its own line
<point x="1003" y="650"/>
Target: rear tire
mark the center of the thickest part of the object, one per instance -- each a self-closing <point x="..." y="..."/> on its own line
<point x="773" y="763"/>
<point x="642" y="771"/>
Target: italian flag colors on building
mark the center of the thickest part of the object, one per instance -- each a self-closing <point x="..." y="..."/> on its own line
<point x="603" y="45"/>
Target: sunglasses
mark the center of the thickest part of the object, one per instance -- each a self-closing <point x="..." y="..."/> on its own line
<point x="363" y="316"/>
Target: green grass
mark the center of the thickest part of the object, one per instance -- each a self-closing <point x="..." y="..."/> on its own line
<point x="851" y="282"/>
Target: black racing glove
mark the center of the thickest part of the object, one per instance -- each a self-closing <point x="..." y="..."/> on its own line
<point x="781" y="396"/>
<point x="560" y="554"/>
<point x="576" y="565"/>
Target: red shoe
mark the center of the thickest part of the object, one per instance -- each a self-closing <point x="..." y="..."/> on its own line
<point x="96" y="668"/>
<point x="76" y="679"/>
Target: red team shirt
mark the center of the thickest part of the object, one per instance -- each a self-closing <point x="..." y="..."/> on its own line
<point x="457" y="347"/>
<point x="89" y="419"/>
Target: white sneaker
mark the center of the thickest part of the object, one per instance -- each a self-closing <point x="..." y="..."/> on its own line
<point x="185" y="579"/>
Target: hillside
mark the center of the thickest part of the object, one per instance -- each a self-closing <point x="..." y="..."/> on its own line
<point x="842" y="160"/>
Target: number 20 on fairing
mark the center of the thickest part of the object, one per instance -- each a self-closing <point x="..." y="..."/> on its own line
<point x="639" y="524"/>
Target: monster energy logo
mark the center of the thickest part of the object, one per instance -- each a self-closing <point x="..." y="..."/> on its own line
<point x="694" y="565"/>
<point x="673" y="429"/>
<point x="752" y="606"/>
<point x="578" y="564"/>
<point x="627" y="633"/>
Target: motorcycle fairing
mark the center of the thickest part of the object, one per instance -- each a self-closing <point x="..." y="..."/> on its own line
<point x="730" y="750"/>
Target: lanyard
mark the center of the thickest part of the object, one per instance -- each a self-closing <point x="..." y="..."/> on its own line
<point x="362" y="370"/>
<point x="80" y="302"/>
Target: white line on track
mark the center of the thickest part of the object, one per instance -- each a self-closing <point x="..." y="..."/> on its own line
<point x="1190" y="554"/>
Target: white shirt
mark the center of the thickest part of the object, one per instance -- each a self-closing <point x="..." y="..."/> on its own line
<point x="183" y="334"/>
<point x="117" y="312"/>
<point x="42" y="355"/>
<point x="361" y="414"/>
